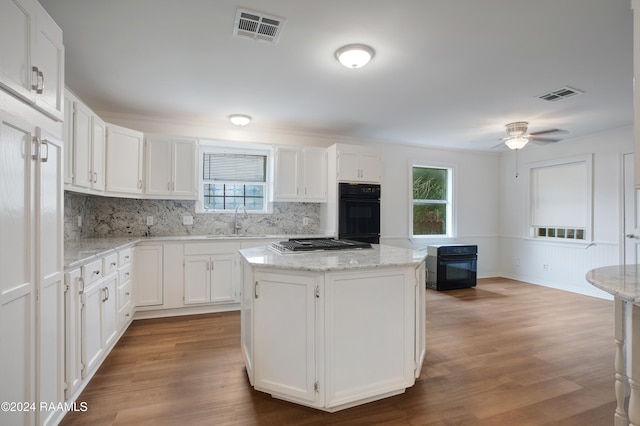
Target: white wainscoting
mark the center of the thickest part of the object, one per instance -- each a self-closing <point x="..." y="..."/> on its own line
<point x="557" y="265"/>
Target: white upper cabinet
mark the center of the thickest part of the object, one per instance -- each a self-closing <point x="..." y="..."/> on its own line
<point x="171" y="168"/>
<point x="357" y="165"/>
<point x="32" y="53"/>
<point x="300" y="174"/>
<point x="124" y="160"/>
<point x="85" y="138"/>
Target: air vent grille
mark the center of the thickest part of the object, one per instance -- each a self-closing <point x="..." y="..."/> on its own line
<point x="560" y="94"/>
<point x="257" y="26"/>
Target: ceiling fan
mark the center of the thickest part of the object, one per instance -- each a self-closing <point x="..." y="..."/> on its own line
<point x="518" y="136"/>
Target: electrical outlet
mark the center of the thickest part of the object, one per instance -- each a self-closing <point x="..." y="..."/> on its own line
<point x="80" y="221"/>
<point x="305" y="221"/>
<point x="545" y="266"/>
<point x="187" y="220"/>
<point x="149" y="220"/>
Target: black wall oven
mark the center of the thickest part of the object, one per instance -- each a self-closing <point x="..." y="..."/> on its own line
<point x="452" y="266"/>
<point x="359" y="212"/>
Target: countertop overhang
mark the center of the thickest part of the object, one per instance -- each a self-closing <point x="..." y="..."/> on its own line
<point x="379" y="256"/>
<point x="621" y="281"/>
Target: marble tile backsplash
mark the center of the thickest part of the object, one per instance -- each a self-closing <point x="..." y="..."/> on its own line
<point x="122" y="217"/>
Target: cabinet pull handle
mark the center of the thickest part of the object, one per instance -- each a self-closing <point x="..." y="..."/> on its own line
<point x="81" y="282"/>
<point x="140" y="184"/>
<point x="104" y="294"/>
<point x="108" y="292"/>
<point x="113" y="263"/>
<point x="126" y="274"/>
<point x="126" y="258"/>
<point x="39" y="79"/>
<point x="127" y="294"/>
<point x="96" y="272"/>
<point x="255" y="290"/>
<point x="44" y="144"/>
<point x="95" y="177"/>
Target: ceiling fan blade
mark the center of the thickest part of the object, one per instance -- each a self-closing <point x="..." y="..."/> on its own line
<point x="543" y="140"/>
<point x="545" y="132"/>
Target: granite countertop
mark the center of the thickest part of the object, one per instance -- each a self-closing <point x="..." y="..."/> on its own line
<point x="79" y="252"/>
<point x="622" y="281"/>
<point x="379" y="256"/>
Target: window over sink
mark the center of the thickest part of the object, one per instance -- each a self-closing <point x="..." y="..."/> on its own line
<point x="230" y="177"/>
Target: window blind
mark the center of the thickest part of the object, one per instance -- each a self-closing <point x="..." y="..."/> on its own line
<point x="234" y="167"/>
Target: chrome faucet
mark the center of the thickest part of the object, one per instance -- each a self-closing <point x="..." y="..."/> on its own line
<point x="236" y="226"/>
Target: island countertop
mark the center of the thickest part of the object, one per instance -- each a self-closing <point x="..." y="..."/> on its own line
<point x="621" y="281"/>
<point x="378" y="256"/>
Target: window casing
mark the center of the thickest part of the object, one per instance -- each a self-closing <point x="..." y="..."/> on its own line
<point x="230" y="177"/>
<point x="432" y="207"/>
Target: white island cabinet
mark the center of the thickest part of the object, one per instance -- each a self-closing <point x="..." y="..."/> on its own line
<point x="332" y="330"/>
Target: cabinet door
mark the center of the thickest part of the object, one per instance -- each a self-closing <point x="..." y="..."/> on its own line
<point x="49" y="211"/>
<point x="17" y="33"/>
<point x="49" y="58"/>
<point x="98" y="145"/>
<point x="284" y="339"/>
<point x="18" y="278"/>
<point x="158" y="166"/>
<point x="73" y="331"/>
<point x="147" y="276"/>
<point x="348" y="167"/>
<point x="286" y="186"/>
<point x="124" y="160"/>
<point x="109" y="309"/>
<point x="369" y="167"/>
<point x="185" y="168"/>
<point x="67" y="136"/>
<point x="197" y="279"/>
<point x="83" y="173"/>
<point x="92" y="326"/>
<point x="224" y="278"/>
<point x="314" y="173"/>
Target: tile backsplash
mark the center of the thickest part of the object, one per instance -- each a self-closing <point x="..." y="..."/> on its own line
<point x="123" y="217"/>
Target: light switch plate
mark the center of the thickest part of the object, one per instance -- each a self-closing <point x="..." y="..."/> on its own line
<point x="187" y="220"/>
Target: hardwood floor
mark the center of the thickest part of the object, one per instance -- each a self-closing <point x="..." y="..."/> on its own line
<point x="503" y="353"/>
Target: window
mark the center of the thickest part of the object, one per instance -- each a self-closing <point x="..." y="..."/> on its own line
<point x="230" y="178"/>
<point x="432" y="208"/>
<point x="560" y="199"/>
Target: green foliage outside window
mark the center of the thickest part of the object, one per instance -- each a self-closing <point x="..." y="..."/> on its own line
<point x="430" y="201"/>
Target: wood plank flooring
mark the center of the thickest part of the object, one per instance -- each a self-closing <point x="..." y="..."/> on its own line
<point x="503" y="353"/>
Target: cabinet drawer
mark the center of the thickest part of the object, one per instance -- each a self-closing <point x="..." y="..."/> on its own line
<point x="124" y="256"/>
<point x="124" y="295"/>
<point x="194" y="249"/>
<point x="125" y="315"/>
<point x="110" y="264"/>
<point x="124" y="274"/>
<point x="92" y="272"/>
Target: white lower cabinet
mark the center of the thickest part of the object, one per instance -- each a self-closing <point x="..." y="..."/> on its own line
<point x="74" y="285"/>
<point x="287" y="341"/>
<point x="148" y="275"/>
<point x="209" y="277"/>
<point x="91" y="339"/>
<point x="333" y="340"/>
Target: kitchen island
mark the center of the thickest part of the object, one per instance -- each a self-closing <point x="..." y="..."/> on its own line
<point x="623" y="282"/>
<point x="333" y="329"/>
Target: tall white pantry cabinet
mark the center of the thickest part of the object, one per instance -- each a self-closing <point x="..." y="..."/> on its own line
<point x="31" y="214"/>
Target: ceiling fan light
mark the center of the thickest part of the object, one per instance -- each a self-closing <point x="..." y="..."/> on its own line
<point x="516" y="142"/>
<point x="355" y="55"/>
<point x="239" y="119"/>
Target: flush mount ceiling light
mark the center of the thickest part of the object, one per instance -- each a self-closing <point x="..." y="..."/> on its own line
<point x="355" y="55"/>
<point x="516" y="142"/>
<point x="239" y="119"/>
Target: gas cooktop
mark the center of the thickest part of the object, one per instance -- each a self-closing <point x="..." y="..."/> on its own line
<point x="316" y="244"/>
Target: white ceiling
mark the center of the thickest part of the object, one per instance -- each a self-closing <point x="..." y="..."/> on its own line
<point x="446" y="72"/>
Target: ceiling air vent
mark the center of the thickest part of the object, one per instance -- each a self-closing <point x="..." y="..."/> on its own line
<point x="559" y="94"/>
<point x="257" y="26"/>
